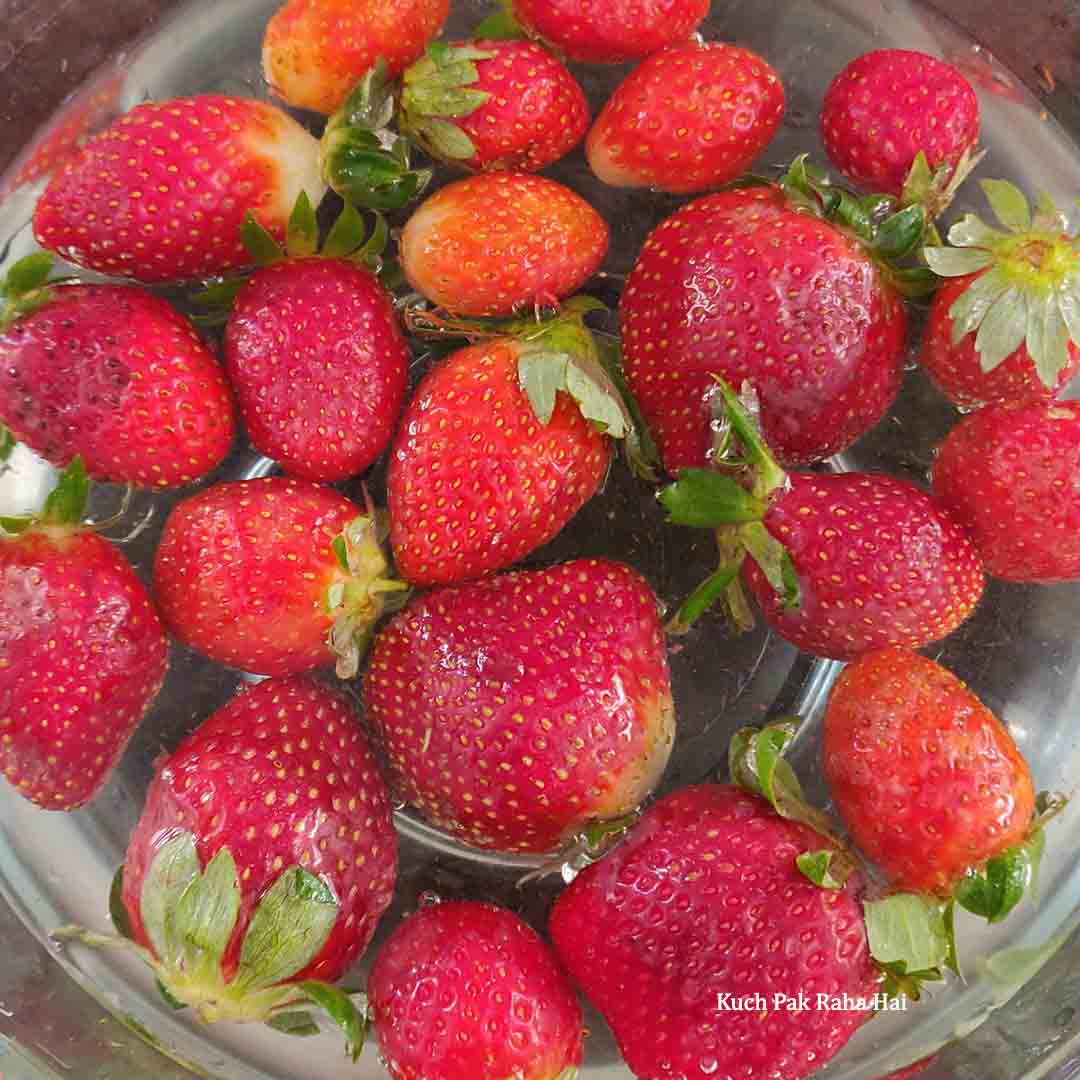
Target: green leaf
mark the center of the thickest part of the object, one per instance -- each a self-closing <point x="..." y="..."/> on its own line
<point x="1068" y="298"/>
<point x="221" y="295"/>
<point x="597" y="397"/>
<point x="294" y="1022"/>
<point x="203" y="920"/>
<point x="174" y="868"/>
<point x="970" y="307"/>
<point x="27" y="275"/>
<point x="952" y="959"/>
<point x="499" y="26"/>
<point x="370" y="104"/>
<point x="641" y="451"/>
<point x="7" y="444"/>
<point x="914" y="282"/>
<point x="1003" y="329"/>
<point x="66" y="503"/>
<point x="340" y="548"/>
<point x="729" y="408"/>
<point x="908" y="929"/>
<point x="371" y="253"/>
<point x="711" y="590"/>
<point x="775" y="563"/>
<point x="1047" y="337"/>
<point x="1048" y="218"/>
<point x="899" y="235"/>
<point x="995" y="890"/>
<point x="972" y="231"/>
<point x="705" y="499"/>
<point x="541" y="376"/>
<point x="1009" y="204"/>
<point x="303" y="231"/>
<point x="920" y="181"/>
<point x="955" y="262"/>
<point x="258" y="243"/>
<point x="13" y="526"/>
<point x="167" y="997"/>
<point x="446" y="140"/>
<point x="816" y="865"/>
<point x="340" y="1008"/>
<point x="118" y="911"/>
<point x="346" y="234"/>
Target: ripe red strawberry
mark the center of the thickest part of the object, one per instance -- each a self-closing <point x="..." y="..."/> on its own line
<point x="514" y="711"/>
<point x="264" y="857"/>
<point x="703" y="903"/>
<point x="691" y="117"/>
<point x="114" y="375"/>
<point x="929" y="783"/>
<point x="493" y="105"/>
<point x="82" y="652"/>
<point x="1009" y="475"/>
<point x="273" y="576"/>
<point x="315" y="51"/>
<point x="610" y="31"/>
<point x="490" y="244"/>
<point x="160" y="195"/>
<point x="890" y="105"/>
<point x="518" y="1017"/>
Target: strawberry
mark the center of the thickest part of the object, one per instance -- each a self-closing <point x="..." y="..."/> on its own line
<point x="264" y="857"/>
<point x="112" y="374"/>
<point x="273" y="576"/>
<point x="314" y="51"/>
<point x="1006" y="325"/>
<point x="160" y="195"/>
<point x="490" y="244"/>
<point x="315" y="354"/>
<point x="609" y="31"/>
<point x="82" y="651"/>
<point x="517" y="710"/>
<point x="691" y="117"/>
<point x="841" y="564"/>
<point x="1009" y="474"/>
<point x="912" y="1070"/>
<point x="929" y="783"/>
<point x="518" y="1016"/>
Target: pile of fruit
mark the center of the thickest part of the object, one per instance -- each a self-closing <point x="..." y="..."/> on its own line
<point x="763" y="331"/>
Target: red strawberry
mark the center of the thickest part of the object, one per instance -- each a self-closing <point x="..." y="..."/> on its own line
<point x="912" y="1070"/>
<point x="1011" y="477"/>
<point x="518" y="1016"/>
<point x="890" y="105"/>
<point x="273" y="576"/>
<point x="264" y="857"/>
<point x="515" y="711"/>
<point x="691" y="117"/>
<point x="314" y="51"/>
<point x="114" y="375"/>
<point x="610" y="31"/>
<point x="927" y="780"/>
<point x="490" y="244"/>
<point x="82" y="652"/>
<point x="493" y="105"/>
<point x="160" y="195"/>
<point x="703" y="903"/>
<point x="747" y="285"/>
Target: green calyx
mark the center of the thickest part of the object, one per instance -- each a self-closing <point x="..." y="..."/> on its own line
<point x="1027" y="292"/>
<point x="500" y="25"/>
<point x="25" y="288"/>
<point x="64" y="507"/>
<point x="935" y="189"/>
<point x="912" y="940"/>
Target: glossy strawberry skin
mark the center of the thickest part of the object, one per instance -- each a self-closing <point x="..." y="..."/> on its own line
<point x="515" y="710"/>
<point x="82" y="656"/>
<point x="704" y="898"/>
<point x="160" y="195"/>
<point x="315" y="51"/>
<point x="886" y="106"/>
<point x="518" y="1017"/>
<point x="691" y="117"/>
<point x="879" y="563"/>
<point x="741" y="285"/>
<point x="492" y="243"/>
<point x="282" y="776"/>
<point x="927" y="780"/>
<point x="610" y="31"/>
<point x="118" y="377"/>
<point x="1009" y="476"/>
<point x="476" y="481"/>
<point x="957" y="373"/>
<point x="319" y="364"/>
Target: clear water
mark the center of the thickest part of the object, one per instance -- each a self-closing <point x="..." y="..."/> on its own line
<point x="1019" y="652"/>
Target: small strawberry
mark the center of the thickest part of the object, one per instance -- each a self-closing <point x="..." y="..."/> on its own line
<point x="314" y="51"/>
<point x="112" y="374"/>
<point x="262" y="862"/>
<point x="517" y="710"/>
<point x="518" y="1016"/>
<point x="490" y="244"/>
<point x="160" y="195"/>
<point x="1011" y="476"/>
<point x="691" y="117"/>
<point x="1006" y="325"/>
<point x="273" y="576"/>
<point x="82" y="651"/>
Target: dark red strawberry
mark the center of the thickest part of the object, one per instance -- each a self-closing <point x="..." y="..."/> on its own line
<point x="517" y="710"/>
<point x="82" y="651"/>
<point x="692" y="117"/>
<point x="112" y="374"/>
<point x="518" y="1016"/>
<point x="273" y="576"/>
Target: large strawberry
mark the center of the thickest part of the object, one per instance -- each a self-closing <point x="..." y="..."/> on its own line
<point x="519" y="1016"/>
<point x="314" y="51"/>
<point x="264" y="857"/>
<point x="273" y="576"/>
<point x="517" y="710"/>
<point x="112" y="374"/>
<point x="1006" y="325"/>
<point x="691" y="117"/>
<point x="82" y="651"/>
<point x="160" y="195"/>
<point x="1011" y="476"/>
